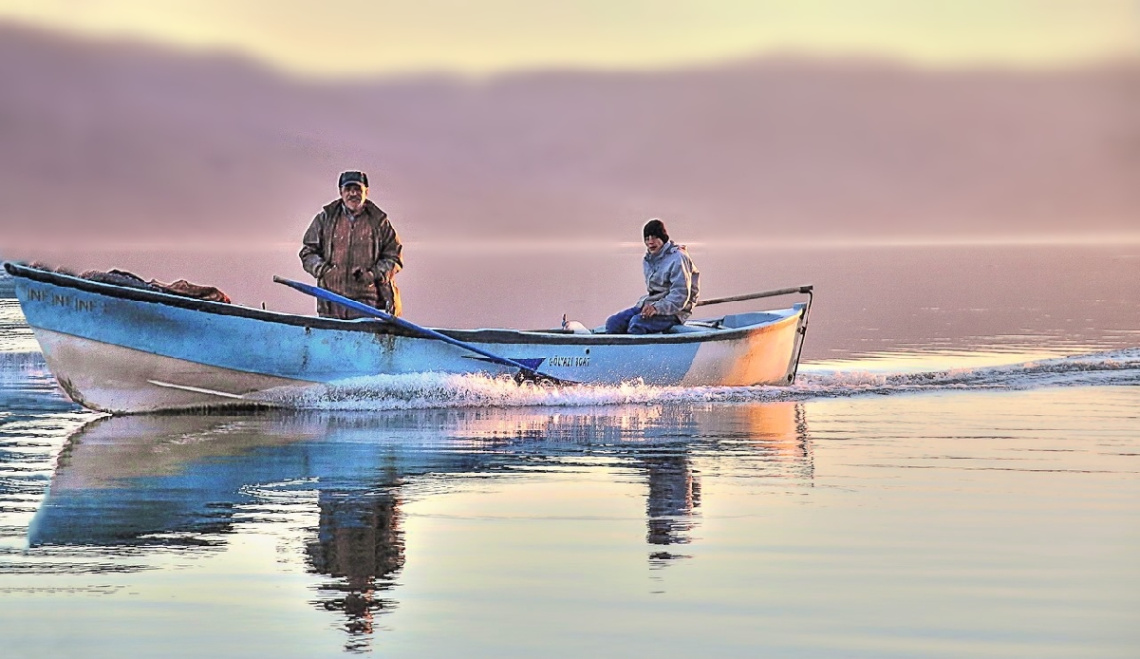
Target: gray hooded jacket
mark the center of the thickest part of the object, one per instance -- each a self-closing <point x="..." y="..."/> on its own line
<point x="672" y="280"/>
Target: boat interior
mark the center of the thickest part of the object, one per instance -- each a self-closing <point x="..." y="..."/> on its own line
<point x="694" y="325"/>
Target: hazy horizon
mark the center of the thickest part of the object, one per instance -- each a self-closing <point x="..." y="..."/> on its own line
<point x="137" y="145"/>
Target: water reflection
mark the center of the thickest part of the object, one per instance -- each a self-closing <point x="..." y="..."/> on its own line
<point x="360" y="545"/>
<point x="674" y="493"/>
<point x="134" y="486"/>
<point x="775" y="434"/>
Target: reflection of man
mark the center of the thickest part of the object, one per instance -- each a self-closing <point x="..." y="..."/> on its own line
<point x="674" y="492"/>
<point x="352" y="249"/>
<point x="360" y="544"/>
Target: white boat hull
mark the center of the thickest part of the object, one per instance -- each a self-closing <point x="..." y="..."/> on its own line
<point x="115" y="379"/>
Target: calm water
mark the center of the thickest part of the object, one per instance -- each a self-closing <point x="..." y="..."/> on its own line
<point x="956" y="473"/>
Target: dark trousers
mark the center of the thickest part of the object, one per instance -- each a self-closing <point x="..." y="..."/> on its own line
<point x="630" y="321"/>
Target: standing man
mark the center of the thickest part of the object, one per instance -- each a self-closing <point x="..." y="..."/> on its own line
<point x="673" y="283"/>
<point x="352" y="249"/>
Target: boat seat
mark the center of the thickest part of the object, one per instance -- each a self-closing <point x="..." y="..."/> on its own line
<point x="745" y="319"/>
<point x="689" y="328"/>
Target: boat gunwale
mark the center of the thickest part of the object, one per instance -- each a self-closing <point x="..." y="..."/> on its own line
<point x="484" y="335"/>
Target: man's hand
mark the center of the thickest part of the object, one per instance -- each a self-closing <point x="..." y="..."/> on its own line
<point x="648" y="310"/>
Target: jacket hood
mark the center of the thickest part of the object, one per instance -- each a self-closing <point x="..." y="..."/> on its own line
<point x="667" y="249"/>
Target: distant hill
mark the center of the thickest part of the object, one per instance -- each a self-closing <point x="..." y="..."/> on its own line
<point x="118" y="142"/>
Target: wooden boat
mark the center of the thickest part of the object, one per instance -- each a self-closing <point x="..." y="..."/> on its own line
<point x="126" y="350"/>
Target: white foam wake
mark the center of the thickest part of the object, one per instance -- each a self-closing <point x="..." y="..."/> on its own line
<point x="438" y="390"/>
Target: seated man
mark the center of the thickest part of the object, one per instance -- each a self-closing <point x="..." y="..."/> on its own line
<point x="673" y="283"/>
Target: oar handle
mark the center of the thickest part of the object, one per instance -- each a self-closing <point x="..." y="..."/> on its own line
<point x="806" y="290"/>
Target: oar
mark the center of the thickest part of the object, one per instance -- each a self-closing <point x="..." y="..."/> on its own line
<point x="525" y="372"/>
<point x="753" y="296"/>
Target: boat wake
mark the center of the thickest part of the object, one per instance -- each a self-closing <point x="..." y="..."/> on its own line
<point x="436" y="390"/>
<point x="1112" y="368"/>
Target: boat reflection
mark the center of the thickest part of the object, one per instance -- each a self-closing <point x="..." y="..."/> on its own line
<point x="192" y="482"/>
